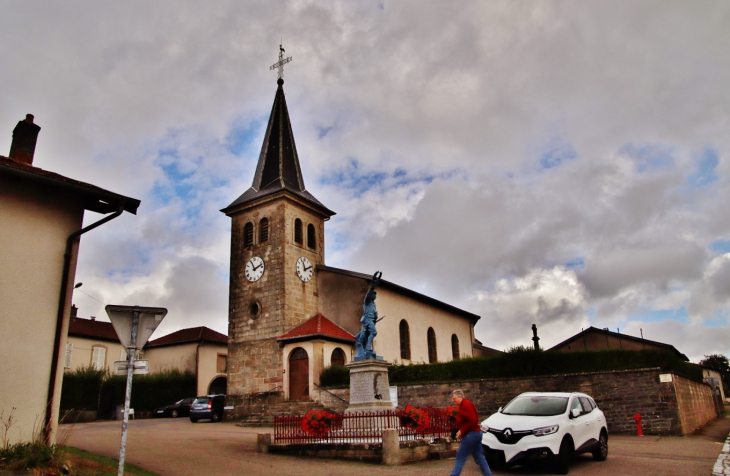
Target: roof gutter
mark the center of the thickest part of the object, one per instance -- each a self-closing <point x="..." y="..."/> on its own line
<point x="72" y="238"/>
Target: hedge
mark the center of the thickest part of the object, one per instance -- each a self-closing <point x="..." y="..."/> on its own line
<point x="526" y="362"/>
<point x="148" y="391"/>
<point x="80" y="390"/>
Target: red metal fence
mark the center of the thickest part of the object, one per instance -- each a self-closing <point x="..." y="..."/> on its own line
<point x="361" y="427"/>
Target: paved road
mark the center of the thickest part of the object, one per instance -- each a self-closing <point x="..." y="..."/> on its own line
<point x="179" y="447"/>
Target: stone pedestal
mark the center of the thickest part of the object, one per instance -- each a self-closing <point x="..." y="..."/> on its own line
<point x="369" y="387"/>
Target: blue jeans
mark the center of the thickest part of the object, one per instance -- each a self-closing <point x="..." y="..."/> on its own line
<point x="471" y="444"/>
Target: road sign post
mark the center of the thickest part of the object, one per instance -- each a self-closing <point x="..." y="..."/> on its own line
<point x="134" y="326"/>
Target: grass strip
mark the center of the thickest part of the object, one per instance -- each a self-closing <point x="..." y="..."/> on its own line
<point x="106" y="461"/>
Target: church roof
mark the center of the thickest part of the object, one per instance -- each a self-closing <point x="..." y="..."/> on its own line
<point x="403" y="291"/>
<point x="318" y="327"/>
<point x="192" y="334"/>
<point x="278" y="167"/>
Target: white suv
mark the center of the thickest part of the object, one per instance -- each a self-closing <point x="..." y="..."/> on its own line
<point x="555" y="426"/>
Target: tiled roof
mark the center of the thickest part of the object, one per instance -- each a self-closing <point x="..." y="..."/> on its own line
<point x="94" y="198"/>
<point x="318" y="327"/>
<point x="79" y="327"/>
<point x="193" y="334"/>
<point x="625" y="337"/>
<point x="278" y="166"/>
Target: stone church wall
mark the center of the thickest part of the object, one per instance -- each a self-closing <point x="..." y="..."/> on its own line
<point x="672" y="408"/>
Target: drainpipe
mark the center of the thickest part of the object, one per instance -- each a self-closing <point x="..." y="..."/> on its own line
<point x="197" y="364"/>
<point x="72" y="238"/>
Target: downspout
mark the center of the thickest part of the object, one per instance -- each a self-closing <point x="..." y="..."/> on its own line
<point x="197" y="364"/>
<point x="72" y="238"/>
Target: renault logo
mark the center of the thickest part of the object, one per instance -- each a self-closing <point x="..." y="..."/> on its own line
<point x="508" y="433"/>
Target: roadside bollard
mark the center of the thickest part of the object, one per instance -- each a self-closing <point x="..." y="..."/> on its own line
<point x="637" y="419"/>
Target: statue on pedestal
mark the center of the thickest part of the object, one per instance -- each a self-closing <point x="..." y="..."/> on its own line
<point x="364" y="338"/>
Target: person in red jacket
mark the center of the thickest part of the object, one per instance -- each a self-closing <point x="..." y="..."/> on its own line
<point x="467" y="424"/>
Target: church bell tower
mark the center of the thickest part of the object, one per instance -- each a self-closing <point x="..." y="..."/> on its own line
<point x="277" y="240"/>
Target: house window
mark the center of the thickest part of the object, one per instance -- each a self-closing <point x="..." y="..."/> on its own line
<point x="98" y="357"/>
<point x="454" y="346"/>
<point x="338" y="357"/>
<point x="222" y="365"/>
<point x="248" y="235"/>
<point x="298" y="231"/>
<point x="69" y="351"/>
<point x="405" y="340"/>
<point x="432" y="354"/>
<point x="264" y="230"/>
<point x="311" y="242"/>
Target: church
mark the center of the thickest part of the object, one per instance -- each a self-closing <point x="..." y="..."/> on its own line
<point x="291" y="315"/>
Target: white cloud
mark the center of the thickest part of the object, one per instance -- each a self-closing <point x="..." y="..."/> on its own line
<point x="468" y="152"/>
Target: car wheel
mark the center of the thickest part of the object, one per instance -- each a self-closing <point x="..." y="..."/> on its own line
<point x="601" y="452"/>
<point x="194" y="420"/>
<point x="215" y="417"/>
<point x="562" y="466"/>
<point x="173" y="413"/>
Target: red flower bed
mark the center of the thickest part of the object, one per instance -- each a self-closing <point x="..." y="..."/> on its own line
<point x="317" y="423"/>
<point x="414" y="418"/>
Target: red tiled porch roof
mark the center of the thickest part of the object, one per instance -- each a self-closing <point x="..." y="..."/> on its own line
<point x="318" y="327"/>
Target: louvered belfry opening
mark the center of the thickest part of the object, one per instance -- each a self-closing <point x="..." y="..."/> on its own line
<point x="264" y="230"/>
<point x="298" y="231"/>
<point x="311" y="237"/>
<point x="248" y="234"/>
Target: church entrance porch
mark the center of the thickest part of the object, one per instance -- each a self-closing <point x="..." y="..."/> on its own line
<point x="299" y="375"/>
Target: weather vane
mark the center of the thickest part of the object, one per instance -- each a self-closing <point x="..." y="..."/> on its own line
<point x="280" y="64"/>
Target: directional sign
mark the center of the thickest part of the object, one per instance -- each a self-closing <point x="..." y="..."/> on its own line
<point x="141" y="367"/>
<point x="149" y="319"/>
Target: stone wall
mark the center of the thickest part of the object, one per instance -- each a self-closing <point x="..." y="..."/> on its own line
<point x="695" y="402"/>
<point x="673" y="408"/>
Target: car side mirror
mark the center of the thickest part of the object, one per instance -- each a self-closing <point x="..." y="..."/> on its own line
<point x="500" y="410"/>
<point x="575" y="413"/>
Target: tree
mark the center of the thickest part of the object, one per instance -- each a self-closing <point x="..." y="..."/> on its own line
<point x="720" y="363"/>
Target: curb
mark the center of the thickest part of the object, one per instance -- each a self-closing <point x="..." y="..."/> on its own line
<point x="722" y="465"/>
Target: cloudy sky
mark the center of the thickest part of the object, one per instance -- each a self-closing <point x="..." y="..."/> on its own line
<point x="559" y="163"/>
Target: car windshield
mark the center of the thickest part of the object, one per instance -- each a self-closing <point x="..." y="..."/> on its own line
<point x="536" y="406"/>
<point x="201" y="400"/>
<point x="179" y="402"/>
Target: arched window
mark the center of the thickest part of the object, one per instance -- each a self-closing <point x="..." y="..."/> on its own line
<point x="264" y="230"/>
<point x="311" y="242"/>
<point x="454" y="346"/>
<point x="298" y="231"/>
<point x="432" y="354"/>
<point x="405" y="340"/>
<point x="248" y="234"/>
<point x="338" y="357"/>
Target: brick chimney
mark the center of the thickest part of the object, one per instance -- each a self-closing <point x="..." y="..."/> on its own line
<point x="25" y="136"/>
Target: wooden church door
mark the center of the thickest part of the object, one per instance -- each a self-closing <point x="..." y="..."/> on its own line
<point x="298" y="375"/>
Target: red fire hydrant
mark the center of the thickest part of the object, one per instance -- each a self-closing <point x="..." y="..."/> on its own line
<point x="637" y="419"/>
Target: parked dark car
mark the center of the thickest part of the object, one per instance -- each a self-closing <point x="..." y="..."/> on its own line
<point x="208" y="407"/>
<point x="179" y="408"/>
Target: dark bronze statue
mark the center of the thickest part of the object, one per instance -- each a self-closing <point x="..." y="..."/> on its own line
<point x="364" y="338"/>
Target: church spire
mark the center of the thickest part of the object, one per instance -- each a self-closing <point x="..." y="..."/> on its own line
<point x="278" y="166"/>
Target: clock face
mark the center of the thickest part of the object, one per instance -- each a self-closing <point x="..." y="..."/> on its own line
<point x="254" y="269"/>
<point x="304" y="269"/>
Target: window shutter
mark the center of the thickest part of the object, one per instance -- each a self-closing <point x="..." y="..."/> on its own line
<point x="69" y="351"/>
<point x="98" y="358"/>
